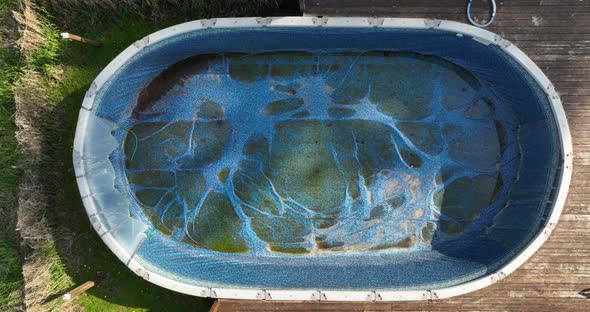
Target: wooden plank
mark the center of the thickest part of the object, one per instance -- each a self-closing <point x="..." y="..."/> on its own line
<point x="78" y="290"/>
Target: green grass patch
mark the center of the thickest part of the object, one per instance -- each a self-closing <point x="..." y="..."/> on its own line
<point x="11" y="279"/>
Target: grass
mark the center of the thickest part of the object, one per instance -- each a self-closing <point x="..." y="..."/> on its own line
<point x="47" y="51"/>
<point x="121" y="289"/>
<point x="61" y="73"/>
<point x="85" y="256"/>
<point x="72" y="12"/>
<point x="11" y="279"/>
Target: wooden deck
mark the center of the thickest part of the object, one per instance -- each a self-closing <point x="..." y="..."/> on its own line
<point x="556" y="35"/>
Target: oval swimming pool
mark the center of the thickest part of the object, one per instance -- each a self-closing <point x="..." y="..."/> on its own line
<point x="306" y="158"/>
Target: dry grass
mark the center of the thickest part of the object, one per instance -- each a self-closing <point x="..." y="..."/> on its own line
<point x="29" y="107"/>
<point x="39" y="39"/>
<point x="30" y="28"/>
<point x="43" y="273"/>
<point x="156" y="10"/>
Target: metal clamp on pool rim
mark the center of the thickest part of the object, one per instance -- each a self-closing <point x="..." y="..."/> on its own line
<point x="489" y="22"/>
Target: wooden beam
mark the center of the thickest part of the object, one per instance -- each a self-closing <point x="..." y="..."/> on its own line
<point x="77" y="38"/>
<point x="78" y="290"/>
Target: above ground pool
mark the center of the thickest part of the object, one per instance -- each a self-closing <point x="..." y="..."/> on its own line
<point x="323" y="158"/>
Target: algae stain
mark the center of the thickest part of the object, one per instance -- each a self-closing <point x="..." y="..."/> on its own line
<point x="428" y="233"/>
<point x="404" y="243"/>
<point x="410" y="158"/>
<point x="223" y="174"/>
<point x="217" y="227"/>
<point x="289" y="250"/>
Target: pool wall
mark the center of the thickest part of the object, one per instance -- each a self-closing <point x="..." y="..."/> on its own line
<point x="124" y="234"/>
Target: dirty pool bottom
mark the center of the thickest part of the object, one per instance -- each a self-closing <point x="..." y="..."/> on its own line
<point x="315" y="153"/>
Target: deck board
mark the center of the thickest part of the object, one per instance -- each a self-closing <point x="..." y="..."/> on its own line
<point x="556" y="35"/>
